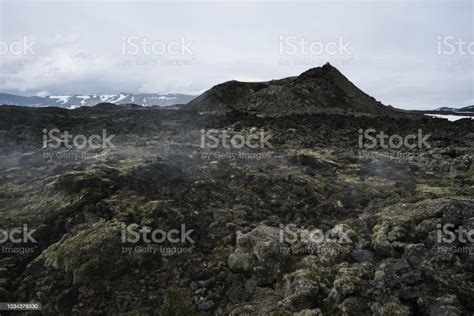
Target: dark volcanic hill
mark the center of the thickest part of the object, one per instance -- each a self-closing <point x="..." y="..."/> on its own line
<point x="318" y="89"/>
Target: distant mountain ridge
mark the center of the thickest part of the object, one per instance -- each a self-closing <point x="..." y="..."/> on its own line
<point x="449" y="111"/>
<point x="72" y="101"/>
<point x="465" y="110"/>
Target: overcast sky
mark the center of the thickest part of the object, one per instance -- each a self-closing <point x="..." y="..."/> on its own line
<point x="410" y="54"/>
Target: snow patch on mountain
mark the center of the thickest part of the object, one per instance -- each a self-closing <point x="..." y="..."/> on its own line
<point x="75" y="101"/>
<point x="60" y="98"/>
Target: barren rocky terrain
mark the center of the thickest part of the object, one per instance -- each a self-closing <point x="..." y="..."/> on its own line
<point x="309" y="223"/>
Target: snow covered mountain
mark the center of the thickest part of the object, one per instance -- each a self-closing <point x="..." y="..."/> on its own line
<point x="452" y="114"/>
<point x="465" y="110"/>
<point x="72" y="101"/>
